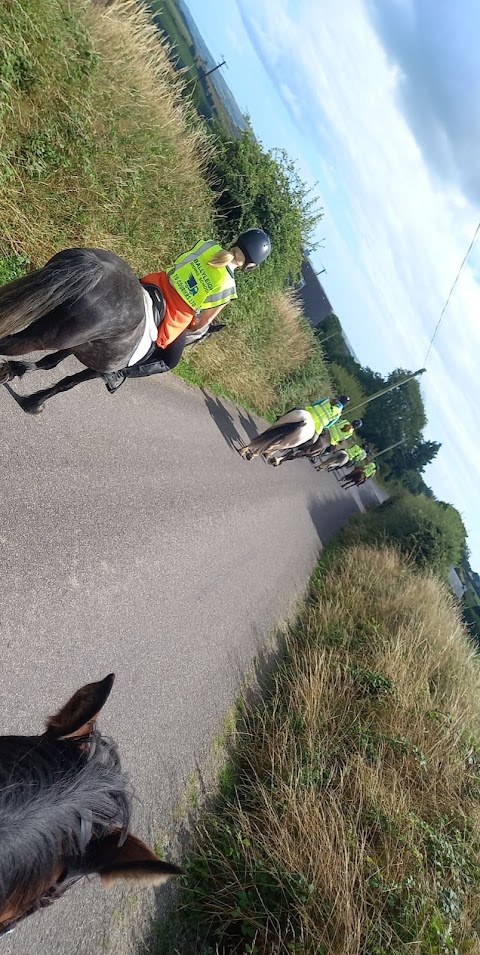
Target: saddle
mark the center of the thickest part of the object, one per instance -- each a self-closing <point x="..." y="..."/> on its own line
<point x="114" y="379"/>
<point x="159" y="303"/>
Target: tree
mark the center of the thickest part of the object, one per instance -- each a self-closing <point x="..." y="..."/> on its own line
<point x="405" y="459"/>
<point x="263" y="188"/>
<point x="398" y="415"/>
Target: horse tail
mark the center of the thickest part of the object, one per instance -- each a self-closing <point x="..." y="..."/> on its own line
<point x="269" y="439"/>
<point x="66" y="277"/>
<point x="274" y="436"/>
<point x="337" y="460"/>
<point x="283" y="430"/>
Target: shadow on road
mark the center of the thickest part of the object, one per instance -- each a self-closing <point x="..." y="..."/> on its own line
<point x="248" y="424"/>
<point x="328" y="519"/>
<point x="225" y="422"/>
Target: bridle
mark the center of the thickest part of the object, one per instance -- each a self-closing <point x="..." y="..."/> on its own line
<point x="64" y="883"/>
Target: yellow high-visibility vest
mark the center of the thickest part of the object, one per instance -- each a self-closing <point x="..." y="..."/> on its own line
<point x="200" y="284"/>
<point x="336" y="431"/>
<point x="323" y="414"/>
<point x="356" y="453"/>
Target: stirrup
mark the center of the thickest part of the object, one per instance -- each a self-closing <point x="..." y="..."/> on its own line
<point x="114" y="380"/>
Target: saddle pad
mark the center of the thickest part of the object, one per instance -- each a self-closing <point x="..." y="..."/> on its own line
<point x="150" y="332"/>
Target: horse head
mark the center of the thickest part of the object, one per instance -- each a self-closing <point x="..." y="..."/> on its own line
<point x="65" y="808"/>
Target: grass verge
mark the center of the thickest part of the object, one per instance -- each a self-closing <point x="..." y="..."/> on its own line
<point x="349" y="815"/>
<point x="267" y="358"/>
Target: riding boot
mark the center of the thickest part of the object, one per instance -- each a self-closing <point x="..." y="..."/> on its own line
<point x="144" y="369"/>
<point x="114" y="379"/>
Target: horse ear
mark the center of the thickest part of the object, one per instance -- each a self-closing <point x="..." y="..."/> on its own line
<point x="76" y="717"/>
<point x="133" y="861"/>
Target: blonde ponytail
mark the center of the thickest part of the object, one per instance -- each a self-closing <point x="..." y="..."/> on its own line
<point x="222" y="259"/>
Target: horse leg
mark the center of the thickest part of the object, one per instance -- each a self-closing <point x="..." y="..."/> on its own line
<point x="18" y="369"/>
<point x="34" y="404"/>
<point x="51" y="361"/>
<point x="319" y="445"/>
<point x="278" y="457"/>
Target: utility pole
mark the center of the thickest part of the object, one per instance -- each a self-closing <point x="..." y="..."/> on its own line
<point x="203" y="76"/>
<point x="390" y="448"/>
<point x="384" y="391"/>
<point x="327" y="337"/>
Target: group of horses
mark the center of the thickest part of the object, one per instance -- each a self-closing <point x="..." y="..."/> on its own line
<point x="289" y="439"/>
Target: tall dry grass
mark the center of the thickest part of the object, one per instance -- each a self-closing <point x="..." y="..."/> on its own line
<point x="267" y="358"/>
<point x="350" y="815"/>
<point x="98" y="146"/>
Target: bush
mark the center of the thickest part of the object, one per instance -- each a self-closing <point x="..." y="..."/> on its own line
<point x="263" y="189"/>
<point x="430" y="532"/>
<point x="350" y="823"/>
<point x="347" y="384"/>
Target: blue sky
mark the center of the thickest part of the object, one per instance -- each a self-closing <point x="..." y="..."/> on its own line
<point x="378" y="102"/>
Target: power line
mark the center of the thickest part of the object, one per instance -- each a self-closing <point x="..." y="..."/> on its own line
<point x="444" y="309"/>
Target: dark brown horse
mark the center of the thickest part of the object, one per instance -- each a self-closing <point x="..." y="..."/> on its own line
<point x="355" y="478"/>
<point x="65" y="809"/>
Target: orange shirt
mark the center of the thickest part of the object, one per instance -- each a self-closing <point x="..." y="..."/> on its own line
<point x="178" y="315"/>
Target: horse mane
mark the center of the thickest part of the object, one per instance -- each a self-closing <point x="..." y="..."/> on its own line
<point x="55" y="795"/>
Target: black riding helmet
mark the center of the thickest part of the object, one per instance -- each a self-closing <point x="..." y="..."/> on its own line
<point x="357" y="423"/>
<point x="256" y="247"/>
<point x="343" y="400"/>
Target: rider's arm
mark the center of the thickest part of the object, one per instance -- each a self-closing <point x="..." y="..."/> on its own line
<point x="207" y="316"/>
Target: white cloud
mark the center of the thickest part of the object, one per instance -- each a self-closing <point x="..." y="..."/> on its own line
<point x="237" y="37"/>
<point x="396" y="233"/>
<point x="293" y="101"/>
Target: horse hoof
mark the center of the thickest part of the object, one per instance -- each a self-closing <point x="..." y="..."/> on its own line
<point x="6" y="373"/>
<point x="31" y="407"/>
<point x="20" y="368"/>
<point x="245" y="453"/>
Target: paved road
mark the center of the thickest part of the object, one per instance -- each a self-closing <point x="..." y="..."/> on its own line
<point x="134" y="539"/>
